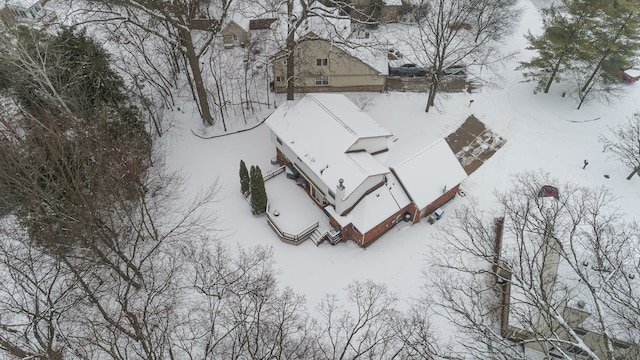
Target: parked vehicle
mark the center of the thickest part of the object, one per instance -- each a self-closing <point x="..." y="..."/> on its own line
<point x="455" y="70"/>
<point x="630" y="75"/>
<point x="407" y="70"/>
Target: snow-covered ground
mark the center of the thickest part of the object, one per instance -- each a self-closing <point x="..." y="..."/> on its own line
<point x="543" y="132"/>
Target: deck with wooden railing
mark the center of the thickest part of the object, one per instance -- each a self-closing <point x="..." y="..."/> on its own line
<point x="294" y="239"/>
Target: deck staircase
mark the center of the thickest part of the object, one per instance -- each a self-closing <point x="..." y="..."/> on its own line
<point x="318" y="237"/>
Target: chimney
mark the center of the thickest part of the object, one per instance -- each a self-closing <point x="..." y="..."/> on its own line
<point x="551" y="249"/>
<point x="340" y="197"/>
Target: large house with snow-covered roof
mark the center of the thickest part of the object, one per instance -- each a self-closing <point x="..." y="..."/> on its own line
<point x="336" y="151"/>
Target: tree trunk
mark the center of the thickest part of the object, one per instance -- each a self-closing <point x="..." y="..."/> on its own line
<point x="433" y="89"/>
<point x="196" y="72"/>
<point x="291" y="44"/>
<point x="554" y="72"/>
<point x="572" y="35"/>
<point x="606" y="53"/>
<point x="586" y="87"/>
<point x="635" y="171"/>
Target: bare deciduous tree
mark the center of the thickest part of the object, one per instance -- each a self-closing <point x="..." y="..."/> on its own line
<point x="625" y="144"/>
<point x="363" y="327"/>
<point x="37" y="299"/>
<point x="550" y="275"/>
<point x="451" y="32"/>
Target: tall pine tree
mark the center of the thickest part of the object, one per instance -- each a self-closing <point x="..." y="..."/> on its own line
<point x="564" y="31"/>
<point x="244" y="178"/>
<point x="614" y="41"/>
<point x="589" y="39"/>
<point x="258" y="192"/>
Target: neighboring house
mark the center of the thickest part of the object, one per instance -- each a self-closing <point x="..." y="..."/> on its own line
<point x="384" y="11"/>
<point x="256" y="34"/>
<point x="517" y="307"/>
<point x="261" y="39"/>
<point x="16" y="12"/>
<point x="261" y="24"/>
<point x="335" y="150"/>
<point x="234" y="35"/>
<point x="321" y="66"/>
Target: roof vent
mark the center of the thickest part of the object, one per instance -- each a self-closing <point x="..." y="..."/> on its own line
<point x="581" y="304"/>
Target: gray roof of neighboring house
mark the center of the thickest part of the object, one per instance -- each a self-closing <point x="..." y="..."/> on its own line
<point x="261" y="24"/>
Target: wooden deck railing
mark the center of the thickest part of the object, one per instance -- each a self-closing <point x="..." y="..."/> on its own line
<point x="295" y="239"/>
<point x="330" y="235"/>
<point x="271" y="174"/>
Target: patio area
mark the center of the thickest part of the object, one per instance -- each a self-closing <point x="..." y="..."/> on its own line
<point x="291" y="209"/>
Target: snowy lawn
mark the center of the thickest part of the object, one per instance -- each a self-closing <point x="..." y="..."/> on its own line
<point x="543" y="132"/>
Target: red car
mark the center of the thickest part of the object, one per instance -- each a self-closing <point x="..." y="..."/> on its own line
<point x="630" y="75"/>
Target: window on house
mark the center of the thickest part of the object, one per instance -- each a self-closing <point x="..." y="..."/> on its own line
<point x="576" y="350"/>
<point x="322" y="80"/>
<point x="279" y="78"/>
<point x="284" y="61"/>
<point x="322" y="62"/>
<point x="235" y="38"/>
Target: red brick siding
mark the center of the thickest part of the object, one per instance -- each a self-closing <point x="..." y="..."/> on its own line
<point x="282" y="160"/>
<point x="446" y="197"/>
<point x="384" y="226"/>
<point x="349" y="233"/>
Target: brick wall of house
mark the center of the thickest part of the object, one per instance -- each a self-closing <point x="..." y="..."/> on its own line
<point x="349" y="233"/>
<point x="387" y="224"/>
<point x="445" y="198"/>
<point x="282" y="160"/>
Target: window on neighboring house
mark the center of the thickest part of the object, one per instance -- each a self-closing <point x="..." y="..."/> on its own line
<point x="235" y="39"/>
<point x="322" y="80"/>
<point x="322" y="62"/>
<point x="279" y="78"/>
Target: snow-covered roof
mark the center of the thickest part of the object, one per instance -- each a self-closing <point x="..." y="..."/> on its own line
<point x="632" y="72"/>
<point x="376" y="207"/>
<point x="326" y="22"/>
<point x="320" y="129"/>
<point x="370" y="54"/>
<point x="240" y="20"/>
<point x="430" y="172"/>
